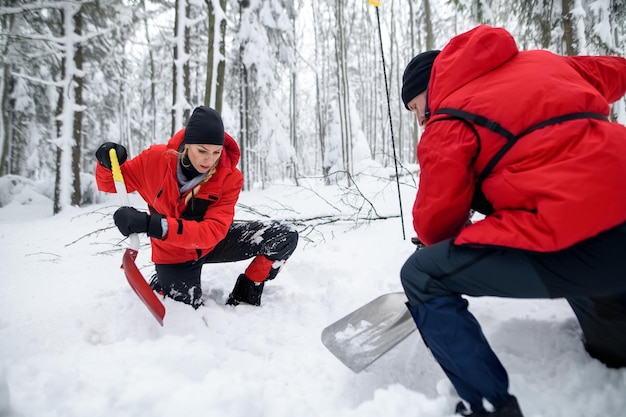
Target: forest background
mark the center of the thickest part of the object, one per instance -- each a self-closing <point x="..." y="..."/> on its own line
<point x="307" y="88"/>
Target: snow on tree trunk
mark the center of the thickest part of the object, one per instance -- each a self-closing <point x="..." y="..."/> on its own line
<point x="216" y="54"/>
<point x="64" y="142"/>
<point x="180" y="105"/>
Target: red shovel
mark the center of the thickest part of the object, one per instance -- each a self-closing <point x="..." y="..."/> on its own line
<point x="135" y="279"/>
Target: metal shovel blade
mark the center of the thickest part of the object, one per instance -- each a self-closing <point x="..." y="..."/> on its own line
<point x="141" y="287"/>
<point x="366" y="334"/>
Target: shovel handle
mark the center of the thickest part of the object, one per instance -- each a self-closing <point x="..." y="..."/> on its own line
<point x="120" y="188"/>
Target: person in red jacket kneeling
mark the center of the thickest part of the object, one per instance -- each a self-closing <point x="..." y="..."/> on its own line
<point x="524" y="138"/>
<point x="191" y="186"/>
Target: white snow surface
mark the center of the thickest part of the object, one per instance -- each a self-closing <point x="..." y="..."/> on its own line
<point x="75" y="341"/>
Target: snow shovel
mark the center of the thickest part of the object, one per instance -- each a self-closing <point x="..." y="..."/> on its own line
<point x="133" y="275"/>
<point x="366" y="334"/>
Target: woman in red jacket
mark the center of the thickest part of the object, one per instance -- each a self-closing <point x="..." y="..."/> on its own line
<point x="524" y="138"/>
<point x="191" y="186"/>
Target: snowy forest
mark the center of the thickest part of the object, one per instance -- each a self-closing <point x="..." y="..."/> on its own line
<point x="307" y="88"/>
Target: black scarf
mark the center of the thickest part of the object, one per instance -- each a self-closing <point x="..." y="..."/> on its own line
<point x="187" y="169"/>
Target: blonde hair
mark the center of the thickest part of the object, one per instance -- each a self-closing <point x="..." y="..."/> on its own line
<point x="181" y="157"/>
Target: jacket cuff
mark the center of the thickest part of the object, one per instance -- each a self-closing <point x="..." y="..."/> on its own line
<point x="155" y="226"/>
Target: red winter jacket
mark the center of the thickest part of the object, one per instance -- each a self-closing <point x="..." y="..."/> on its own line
<point x="194" y="228"/>
<point x="558" y="185"/>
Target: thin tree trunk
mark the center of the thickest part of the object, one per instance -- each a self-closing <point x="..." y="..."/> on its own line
<point x="7" y="85"/>
<point x="293" y="124"/>
<point x="215" y="73"/>
<point x="568" y="28"/>
<point x="186" y="69"/>
<point x="210" y="73"/>
<point x="393" y="52"/>
<point x="545" y="26"/>
<point x="243" y="108"/>
<point x="428" y="26"/>
<point x="57" y="204"/>
<point x="78" y="113"/>
<point x="180" y="87"/>
<point x="65" y="113"/>
<point x="319" y="107"/>
<point x="221" y="64"/>
<point x="151" y="64"/>
<point x="175" y="85"/>
<point x="7" y="111"/>
<point x="343" y="93"/>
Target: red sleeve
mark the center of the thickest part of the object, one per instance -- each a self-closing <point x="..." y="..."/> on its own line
<point x="104" y="179"/>
<point x="446" y="185"/>
<point x="607" y="74"/>
<point x="133" y="171"/>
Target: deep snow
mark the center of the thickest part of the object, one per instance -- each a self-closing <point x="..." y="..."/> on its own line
<point x="75" y="341"/>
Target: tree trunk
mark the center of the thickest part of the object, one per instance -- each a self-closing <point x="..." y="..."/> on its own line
<point x="343" y="93"/>
<point x="77" y="80"/>
<point x="186" y="76"/>
<point x="7" y="84"/>
<point x="58" y="166"/>
<point x="77" y="131"/>
<point x="151" y="64"/>
<point x="66" y="111"/>
<point x="221" y="64"/>
<point x="215" y="73"/>
<point x="210" y="73"/>
<point x="243" y="123"/>
<point x="7" y="111"/>
<point x="293" y="123"/>
<point x="428" y="26"/>
<point x="319" y="91"/>
<point x="244" y="127"/>
<point x="545" y="25"/>
<point x="180" y="87"/>
<point x="175" y="66"/>
<point x="568" y="28"/>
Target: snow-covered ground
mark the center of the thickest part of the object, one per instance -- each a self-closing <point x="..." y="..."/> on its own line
<point x="75" y="341"/>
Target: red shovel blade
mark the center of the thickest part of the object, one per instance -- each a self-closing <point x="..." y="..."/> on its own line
<point x="141" y="287"/>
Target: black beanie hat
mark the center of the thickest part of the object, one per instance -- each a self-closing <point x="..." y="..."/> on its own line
<point x="417" y="75"/>
<point x="205" y="127"/>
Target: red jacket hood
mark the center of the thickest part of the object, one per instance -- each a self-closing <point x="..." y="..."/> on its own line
<point x="467" y="57"/>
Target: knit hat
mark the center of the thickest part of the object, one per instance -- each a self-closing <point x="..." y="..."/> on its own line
<point x="417" y="75"/>
<point x="205" y="127"/>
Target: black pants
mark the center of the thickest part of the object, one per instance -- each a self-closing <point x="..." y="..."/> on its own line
<point x="590" y="275"/>
<point x="272" y="241"/>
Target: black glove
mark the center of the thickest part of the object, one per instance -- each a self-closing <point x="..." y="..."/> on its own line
<point x="102" y="154"/>
<point x="130" y="220"/>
